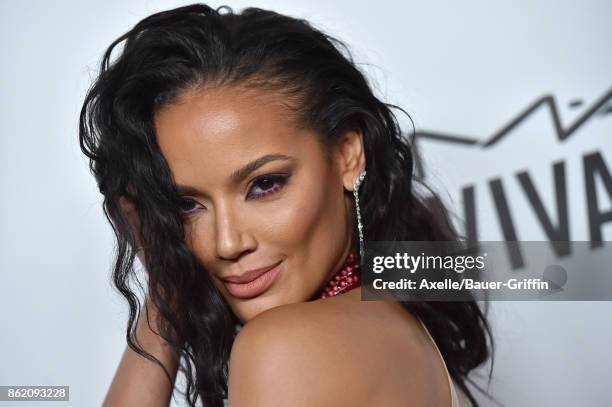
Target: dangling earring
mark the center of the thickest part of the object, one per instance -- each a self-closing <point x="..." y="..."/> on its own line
<point x="358" y="182"/>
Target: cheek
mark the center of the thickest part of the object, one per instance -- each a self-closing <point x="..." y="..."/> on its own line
<point x="296" y="221"/>
<point x="197" y="238"/>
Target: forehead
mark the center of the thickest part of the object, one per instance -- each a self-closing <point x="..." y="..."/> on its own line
<point x="208" y="133"/>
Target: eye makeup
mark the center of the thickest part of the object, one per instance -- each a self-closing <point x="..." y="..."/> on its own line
<point x="261" y="187"/>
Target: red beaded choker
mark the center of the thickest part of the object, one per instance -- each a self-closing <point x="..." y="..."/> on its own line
<point x="347" y="278"/>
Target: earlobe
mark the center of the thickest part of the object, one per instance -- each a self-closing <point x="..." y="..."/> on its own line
<point x="352" y="158"/>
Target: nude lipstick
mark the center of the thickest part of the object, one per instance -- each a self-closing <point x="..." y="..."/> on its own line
<point x="253" y="282"/>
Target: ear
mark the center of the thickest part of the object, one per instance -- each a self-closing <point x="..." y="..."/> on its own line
<point x="350" y="157"/>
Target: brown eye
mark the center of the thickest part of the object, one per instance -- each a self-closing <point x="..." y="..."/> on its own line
<point x="187" y="206"/>
<point x="268" y="184"/>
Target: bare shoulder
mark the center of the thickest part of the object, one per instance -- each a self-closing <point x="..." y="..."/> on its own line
<point x="331" y="352"/>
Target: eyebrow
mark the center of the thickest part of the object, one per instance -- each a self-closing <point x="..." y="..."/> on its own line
<point x="241" y="173"/>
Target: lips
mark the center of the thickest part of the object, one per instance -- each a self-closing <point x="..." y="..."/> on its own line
<point x="253" y="282"/>
<point x="249" y="275"/>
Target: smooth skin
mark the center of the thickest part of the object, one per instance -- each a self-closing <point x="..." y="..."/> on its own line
<point x="294" y="206"/>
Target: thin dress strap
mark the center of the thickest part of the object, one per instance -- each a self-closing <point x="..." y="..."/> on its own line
<point x="453" y="393"/>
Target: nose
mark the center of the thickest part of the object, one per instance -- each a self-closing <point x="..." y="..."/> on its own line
<point x="232" y="237"/>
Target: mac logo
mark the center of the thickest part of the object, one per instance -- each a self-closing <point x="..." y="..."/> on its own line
<point x="555" y="223"/>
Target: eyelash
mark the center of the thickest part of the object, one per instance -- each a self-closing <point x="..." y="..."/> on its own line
<point x="279" y="181"/>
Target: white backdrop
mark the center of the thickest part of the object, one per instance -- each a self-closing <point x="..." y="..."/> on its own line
<point x="463" y="69"/>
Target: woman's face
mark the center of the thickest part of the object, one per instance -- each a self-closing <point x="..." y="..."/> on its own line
<point x="259" y="192"/>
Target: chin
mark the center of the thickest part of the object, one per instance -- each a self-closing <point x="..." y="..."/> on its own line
<point x="248" y="309"/>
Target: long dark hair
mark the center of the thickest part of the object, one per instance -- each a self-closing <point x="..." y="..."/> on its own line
<point x="170" y="52"/>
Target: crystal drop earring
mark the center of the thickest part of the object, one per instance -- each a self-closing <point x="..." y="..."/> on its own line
<point x="358" y="182"/>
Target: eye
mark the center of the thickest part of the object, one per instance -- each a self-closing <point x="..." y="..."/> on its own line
<point x="267" y="184"/>
<point x="261" y="187"/>
<point x="186" y="206"/>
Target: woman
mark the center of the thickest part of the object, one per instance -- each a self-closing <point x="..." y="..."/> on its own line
<point x="230" y="149"/>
